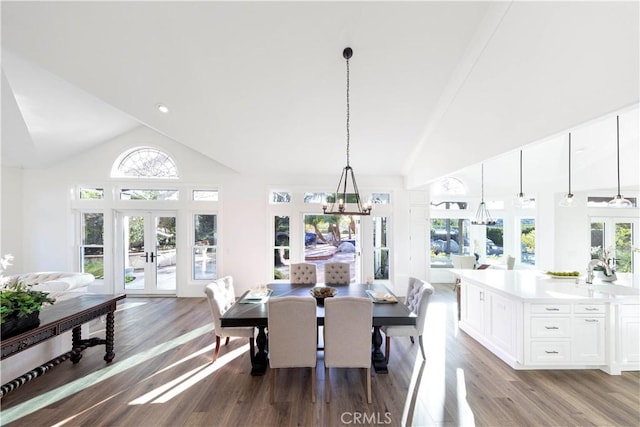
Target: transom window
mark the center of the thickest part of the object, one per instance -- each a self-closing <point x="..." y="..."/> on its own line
<point x="145" y="162"/>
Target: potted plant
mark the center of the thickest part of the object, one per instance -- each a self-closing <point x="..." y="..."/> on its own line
<point x="19" y="304"/>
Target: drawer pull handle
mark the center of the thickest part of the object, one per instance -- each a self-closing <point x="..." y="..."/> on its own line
<point x="551" y="352"/>
<point x="552" y="309"/>
<point x="592" y="309"/>
<point x="591" y="320"/>
<point x="551" y="327"/>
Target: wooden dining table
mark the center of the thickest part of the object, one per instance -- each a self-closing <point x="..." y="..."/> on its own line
<point x="246" y="312"/>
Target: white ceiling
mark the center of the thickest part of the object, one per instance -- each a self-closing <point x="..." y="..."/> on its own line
<point x="436" y="87"/>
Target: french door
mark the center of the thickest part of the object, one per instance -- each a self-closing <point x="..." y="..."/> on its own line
<point x="148" y="248"/>
<point x="331" y="238"/>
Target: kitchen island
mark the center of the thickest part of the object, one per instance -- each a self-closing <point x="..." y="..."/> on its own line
<point x="533" y="321"/>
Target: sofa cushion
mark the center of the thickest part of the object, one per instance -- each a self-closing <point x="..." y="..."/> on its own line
<point x="55" y="281"/>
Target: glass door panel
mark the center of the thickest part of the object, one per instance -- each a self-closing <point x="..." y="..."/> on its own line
<point x="332" y="238"/>
<point x="149" y="248"/>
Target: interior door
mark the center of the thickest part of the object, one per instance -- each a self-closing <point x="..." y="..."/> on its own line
<point x="149" y="252"/>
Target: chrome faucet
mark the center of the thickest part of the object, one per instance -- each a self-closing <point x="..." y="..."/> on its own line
<point x="597" y="263"/>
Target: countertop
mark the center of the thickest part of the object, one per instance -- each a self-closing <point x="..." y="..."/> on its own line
<point x="536" y="286"/>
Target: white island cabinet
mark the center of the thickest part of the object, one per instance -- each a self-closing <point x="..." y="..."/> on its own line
<point x="532" y="321"/>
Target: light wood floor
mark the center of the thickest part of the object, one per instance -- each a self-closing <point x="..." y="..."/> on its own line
<point x="162" y="376"/>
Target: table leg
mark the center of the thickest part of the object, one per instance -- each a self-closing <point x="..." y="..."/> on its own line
<point x="76" y="343"/>
<point x="377" y="356"/>
<point x="109" y="335"/>
<point x="260" y="362"/>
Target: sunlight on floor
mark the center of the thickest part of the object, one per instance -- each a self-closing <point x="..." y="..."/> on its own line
<point x="16" y="412"/>
<point x="428" y="394"/>
<point x="173" y="388"/>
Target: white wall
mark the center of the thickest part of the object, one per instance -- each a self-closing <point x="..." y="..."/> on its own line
<point x="11" y="216"/>
<point x="42" y="233"/>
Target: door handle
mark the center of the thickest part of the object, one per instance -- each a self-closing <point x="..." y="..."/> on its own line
<point x="146" y="257"/>
<point x="152" y="256"/>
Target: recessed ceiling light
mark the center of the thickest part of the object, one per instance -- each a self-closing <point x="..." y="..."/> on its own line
<point x="163" y="108"/>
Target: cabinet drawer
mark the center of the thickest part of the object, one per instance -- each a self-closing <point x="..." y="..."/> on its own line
<point x="551" y="308"/>
<point x="589" y="309"/>
<point x="550" y="327"/>
<point x="550" y="352"/>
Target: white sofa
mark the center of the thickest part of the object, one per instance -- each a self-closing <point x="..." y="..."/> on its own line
<point x="60" y="284"/>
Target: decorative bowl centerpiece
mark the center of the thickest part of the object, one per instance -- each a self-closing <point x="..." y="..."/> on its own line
<point x="322" y="292"/>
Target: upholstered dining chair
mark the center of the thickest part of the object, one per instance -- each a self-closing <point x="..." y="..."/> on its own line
<point x="347" y="337"/>
<point x="418" y="306"/>
<point x="337" y="273"/>
<point x="303" y="273"/>
<point x="465" y="262"/>
<point x="292" y="337"/>
<point x="221" y="296"/>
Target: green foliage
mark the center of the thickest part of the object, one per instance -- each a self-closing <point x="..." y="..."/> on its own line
<point x="495" y="234"/>
<point x="96" y="268"/>
<point x="528" y="239"/>
<point x="19" y="299"/>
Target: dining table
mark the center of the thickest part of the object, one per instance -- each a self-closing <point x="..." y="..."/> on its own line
<point x="250" y="310"/>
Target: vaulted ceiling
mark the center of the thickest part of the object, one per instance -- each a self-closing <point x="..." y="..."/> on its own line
<point x="436" y="87"/>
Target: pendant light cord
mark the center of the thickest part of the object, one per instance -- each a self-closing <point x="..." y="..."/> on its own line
<point x="482" y="181"/>
<point x="520" y="172"/>
<point x="348" y="135"/>
<point x="618" y="149"/>
<point x="569" y="162"/>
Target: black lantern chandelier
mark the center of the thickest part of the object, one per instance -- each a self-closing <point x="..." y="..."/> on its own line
<point x="346" y="200"/>
<point x="483" y="217"/>
<point x="618" y="201"/>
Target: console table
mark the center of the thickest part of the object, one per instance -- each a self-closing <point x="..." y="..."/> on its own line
<point x="54" y="321"/>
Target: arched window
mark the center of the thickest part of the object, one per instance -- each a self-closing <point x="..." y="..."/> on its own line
<point x="448" y="185"/>
<point x="145" y="162"/>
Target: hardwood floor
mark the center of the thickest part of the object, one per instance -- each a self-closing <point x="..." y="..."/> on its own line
<point x="163" y="376"/>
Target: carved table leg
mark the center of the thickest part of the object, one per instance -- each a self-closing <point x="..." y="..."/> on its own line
<point x="76" y="347"/>
<point x="377" y="357"/>
<point x="109" y="334"/>
<point x="259" y="363"/>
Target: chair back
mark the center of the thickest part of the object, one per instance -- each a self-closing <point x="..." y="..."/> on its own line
<point x="465" y="262"/>
<point x="337" y="273"/>
<point x="302" y="274"/>
<point x="511" y="261"/>
<point x="424" y="297"/>
<point x="227" y="283"/>
<point x="220" y="297"/>
<point x="347" y="332"/>
<point x="292" y="332"/>
<point x="413" y="294"/>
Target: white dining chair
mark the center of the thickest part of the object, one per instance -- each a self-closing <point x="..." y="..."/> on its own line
<point x="347" y="337"/>
<point x="303" y="273"/>
<point x="221" y="296"/>
<point x="292" y="337"/>
<point x="419" y="306"/>
<point x="337" y="273"/>
<point x="465" y="262"/>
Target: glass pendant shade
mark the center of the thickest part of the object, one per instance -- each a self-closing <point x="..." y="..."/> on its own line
<point x="483" y="216"/>
<point x="346" y="200"/>
<point x="618" y="201"/>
